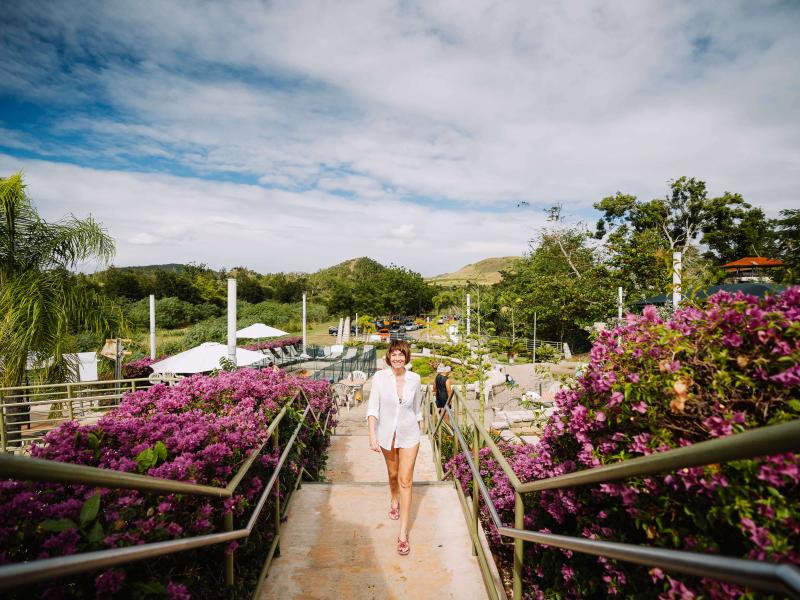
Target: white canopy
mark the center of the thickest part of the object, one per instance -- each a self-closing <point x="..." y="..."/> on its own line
<point x="259" y="330"/>
<point x="203" y="358"/>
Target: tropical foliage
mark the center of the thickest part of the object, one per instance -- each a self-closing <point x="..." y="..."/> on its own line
<point x="654" y="385"/>
<point x="42" y="305"/>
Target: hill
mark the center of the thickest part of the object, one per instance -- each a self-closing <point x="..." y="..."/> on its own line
<point x="486" y="271"/>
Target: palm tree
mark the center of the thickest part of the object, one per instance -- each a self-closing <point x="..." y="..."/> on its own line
<point x="41" y="303"/>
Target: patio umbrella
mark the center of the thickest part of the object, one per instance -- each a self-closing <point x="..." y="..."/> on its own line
<point x="259" y="330"/>
<point x="204" y="358"/>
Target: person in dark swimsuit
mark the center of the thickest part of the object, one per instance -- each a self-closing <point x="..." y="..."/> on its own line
<point x="443" y="388"/>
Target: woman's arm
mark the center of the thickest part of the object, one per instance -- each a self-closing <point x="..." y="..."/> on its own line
<point x="449" y="387"/>
<point x="373" y="413"/>
<point x="418" y="401"/>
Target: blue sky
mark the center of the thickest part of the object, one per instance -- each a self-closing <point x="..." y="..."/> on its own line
<point x="292" y="135"/>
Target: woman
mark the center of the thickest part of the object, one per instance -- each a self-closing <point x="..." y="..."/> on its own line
<point x="443" y="388"/>
<point x="394" y="413"/>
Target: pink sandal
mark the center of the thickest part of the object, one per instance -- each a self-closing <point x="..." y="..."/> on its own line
<point x="403" y="547"/>
<point x="394" y="512"/>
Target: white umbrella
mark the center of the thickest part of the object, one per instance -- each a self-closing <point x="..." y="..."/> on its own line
<point x="259" y="330"/>
<point x="203" y="358"/>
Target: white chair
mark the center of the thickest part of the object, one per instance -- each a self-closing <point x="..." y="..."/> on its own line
<point x="358" y="376"/>
<point x="341" y="395"/>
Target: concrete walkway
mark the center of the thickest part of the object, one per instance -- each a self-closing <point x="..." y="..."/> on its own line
<point x="338" y="541"/>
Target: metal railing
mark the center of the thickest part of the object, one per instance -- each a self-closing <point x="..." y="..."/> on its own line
<point x="30" y="469"/>
<point x="27" y="413"/>
<point x="774" y="439"/>
<point x="361" y="360"/>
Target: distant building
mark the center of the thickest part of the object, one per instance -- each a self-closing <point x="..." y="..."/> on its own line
<point x="754" y="269"/>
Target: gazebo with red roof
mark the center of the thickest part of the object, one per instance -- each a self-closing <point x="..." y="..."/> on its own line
<point x="751" y="268"/>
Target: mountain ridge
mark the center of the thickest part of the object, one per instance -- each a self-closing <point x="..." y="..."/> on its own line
<point x="486" y="272"/>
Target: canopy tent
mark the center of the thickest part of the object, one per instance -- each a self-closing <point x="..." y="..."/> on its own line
<point x="753" y="289"/>
<point x="259" y="330"/>
<point x="204" y="358"/>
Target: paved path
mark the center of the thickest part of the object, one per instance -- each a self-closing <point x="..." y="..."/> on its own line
<point x="339" y="543"/>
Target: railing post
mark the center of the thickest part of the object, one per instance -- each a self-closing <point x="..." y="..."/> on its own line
<point x="276" y="443"/>
<point x="455" y="425"/>
<point x="2" y="422"/>
<point x="70" y="410"/>
<point x="228" y="526"/>
<point x="519" y="523"/>
<point x="475" y="496"/>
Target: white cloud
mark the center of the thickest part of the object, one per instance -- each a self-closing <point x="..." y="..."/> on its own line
<point x="361" y="111"/>
<point x="158" y="219"/>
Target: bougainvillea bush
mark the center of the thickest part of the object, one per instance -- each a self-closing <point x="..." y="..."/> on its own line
<point x="139" y="368"/>
<point x="281" y="343"/>
<point x="201" y="431"/>
<point x="730" y="365"/>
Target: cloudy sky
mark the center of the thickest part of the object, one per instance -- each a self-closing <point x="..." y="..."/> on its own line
<point x="293" y="135"/>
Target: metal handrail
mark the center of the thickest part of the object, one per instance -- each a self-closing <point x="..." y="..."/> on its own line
<point x="771" y="439"/>
<point x="75" y="383"/>
<point x="15" y="575"/>
<point x="79" y="400"/>
<point x="782" y="578"/>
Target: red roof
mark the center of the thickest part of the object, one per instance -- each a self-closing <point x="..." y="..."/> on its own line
<point x="754" y="261"/>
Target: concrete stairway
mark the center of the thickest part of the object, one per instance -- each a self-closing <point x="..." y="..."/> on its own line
<point x="338" y="541"/>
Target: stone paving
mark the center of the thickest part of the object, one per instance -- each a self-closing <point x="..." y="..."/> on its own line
<point x="338" y="541"/>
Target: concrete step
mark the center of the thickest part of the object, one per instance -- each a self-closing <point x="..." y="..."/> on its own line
<point x="351" y="460"/>
<point x="339" y="543"/>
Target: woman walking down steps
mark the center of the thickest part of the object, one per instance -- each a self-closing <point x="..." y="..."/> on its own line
<point x="394" y="414"/>
<point x="338" y="541"/>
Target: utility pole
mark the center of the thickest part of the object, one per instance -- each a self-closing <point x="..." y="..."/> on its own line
<point x="232" y="320"/>
<point x="152" y="327"/>
<point x="468" y="315"/>
<point x="305" y="339"/>
<point x="677" y="265"/>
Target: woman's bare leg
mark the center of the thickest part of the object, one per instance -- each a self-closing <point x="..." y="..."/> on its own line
<point x="392" y="464"/>
<point x="405" y="477"/>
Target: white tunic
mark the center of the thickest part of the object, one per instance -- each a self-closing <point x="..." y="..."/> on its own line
<point x="395" y="415"/>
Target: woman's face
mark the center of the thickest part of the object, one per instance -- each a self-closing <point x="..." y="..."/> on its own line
<point x="397" y="359"/>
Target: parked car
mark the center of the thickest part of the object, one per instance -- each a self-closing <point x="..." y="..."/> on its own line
<point x="335" y="330"/>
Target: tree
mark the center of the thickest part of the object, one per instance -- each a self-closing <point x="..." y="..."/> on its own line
<point x="788" y="242"/>
<point x="641" y="236"/>
<point x="734" y="229"/>
<point x="564" y="282"/>
<point x="41" y="303"/>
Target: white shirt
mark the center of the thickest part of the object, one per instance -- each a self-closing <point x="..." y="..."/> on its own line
<point x="395" y="415"/>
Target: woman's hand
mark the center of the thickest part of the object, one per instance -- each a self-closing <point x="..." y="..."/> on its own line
<point x="373" y="443"/>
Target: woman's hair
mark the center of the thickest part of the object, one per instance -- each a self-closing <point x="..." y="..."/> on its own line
<point x="400" y="345"/>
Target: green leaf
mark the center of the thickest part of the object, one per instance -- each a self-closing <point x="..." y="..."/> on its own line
<point x="89" y="509"/>
<point x="774" y="492"/>
<point x="161" y="451"/>
<point x="794" y="404"/>
<point x="145" y="459"/>
<point x="144" y="589"/>
<point x="57" y="525"/>
<point x="94" y="441"/>
<point x="96" y="533"/>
